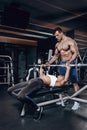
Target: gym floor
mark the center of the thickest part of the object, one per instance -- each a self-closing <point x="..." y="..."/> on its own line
<point x="53" y="118"/>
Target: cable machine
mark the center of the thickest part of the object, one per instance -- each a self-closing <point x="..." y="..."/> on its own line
<point x="6" y="70"/>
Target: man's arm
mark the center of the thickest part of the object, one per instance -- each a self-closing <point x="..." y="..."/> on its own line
<point x="55" y="57"/>
<point x="74" y="50"/>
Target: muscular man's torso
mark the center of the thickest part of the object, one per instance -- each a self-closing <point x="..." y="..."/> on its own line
<point x="64" y="49"/>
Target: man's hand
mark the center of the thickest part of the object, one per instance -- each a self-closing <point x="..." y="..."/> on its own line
<point x="47" y="64"/>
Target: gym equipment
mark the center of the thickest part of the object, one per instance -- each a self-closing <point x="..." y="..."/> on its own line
<point x="55" y="94"/>
<point x="61" y="99"/>
<point x="72" y="65"/>
<point x="6" y="70"/>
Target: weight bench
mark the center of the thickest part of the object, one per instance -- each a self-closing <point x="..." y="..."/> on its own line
<point x="61" y="98"/>
<point x="56" y="92"/>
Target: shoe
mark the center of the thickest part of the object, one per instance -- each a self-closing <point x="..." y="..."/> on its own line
<point x="75" y="106"/>
<point x="23" y="111"/>
<point x="38" y="113"/>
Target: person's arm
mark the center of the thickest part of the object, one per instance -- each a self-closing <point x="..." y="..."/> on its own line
<point x="55" y="57"/>
<point x="74" y="50"/>
<point x="41" y="70"/>
<point x="64" y="81"/>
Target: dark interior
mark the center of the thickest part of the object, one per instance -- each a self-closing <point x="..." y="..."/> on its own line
<point x="26" y="35"/>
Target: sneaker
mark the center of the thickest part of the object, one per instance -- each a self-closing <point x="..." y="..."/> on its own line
<point x="22" y="112"/>
<point x="38" y="113"/>
<point x="75" y="106"/>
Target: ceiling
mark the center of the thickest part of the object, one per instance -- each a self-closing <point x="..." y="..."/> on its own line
<point x="46" y="14"/>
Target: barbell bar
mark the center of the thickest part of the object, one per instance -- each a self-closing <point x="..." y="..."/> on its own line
<point x="62" y="65"/>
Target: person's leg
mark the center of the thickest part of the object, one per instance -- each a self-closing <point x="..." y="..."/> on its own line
<point x="76" y="87"/>
<point x="32" y="87"/>
<point x="74" y="79"/>
<point x="17" y="87"/>
<point x="62" y="70"/>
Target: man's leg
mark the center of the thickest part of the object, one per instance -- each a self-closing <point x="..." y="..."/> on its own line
<point x="76" y="87"/>
<point x="76" y="104"/>
<point x="74" y="81"/>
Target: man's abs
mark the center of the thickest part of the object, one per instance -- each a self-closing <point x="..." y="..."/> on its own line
<point x="65" y="55"/>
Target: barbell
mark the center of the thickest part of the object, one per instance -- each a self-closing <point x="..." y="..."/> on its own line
<point x="62" y="65"/>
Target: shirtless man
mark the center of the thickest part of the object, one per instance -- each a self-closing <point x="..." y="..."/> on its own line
<point x="29" y="88"/>
<point x="67" y="51"/>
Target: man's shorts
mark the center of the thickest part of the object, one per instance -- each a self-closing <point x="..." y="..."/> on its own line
<point x="73" y="77"/>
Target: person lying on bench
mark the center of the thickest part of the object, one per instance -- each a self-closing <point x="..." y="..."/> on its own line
<point x="30" y="87"/>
